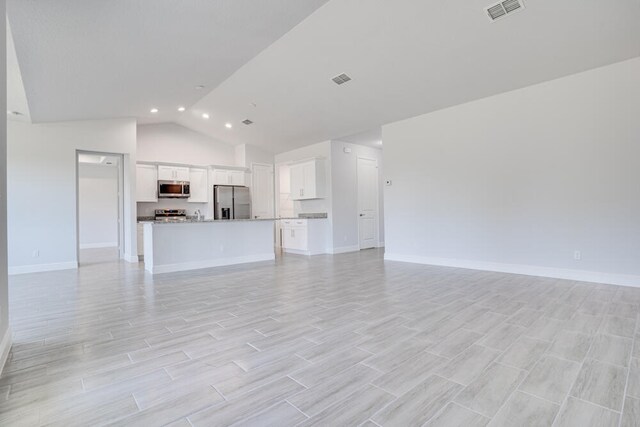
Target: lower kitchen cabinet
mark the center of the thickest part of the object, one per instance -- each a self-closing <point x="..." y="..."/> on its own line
<point x="304" y="236"/>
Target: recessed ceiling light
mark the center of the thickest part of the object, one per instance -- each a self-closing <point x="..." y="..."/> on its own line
<point x="199" y="87"/>
<point x="228" y="125"/>
<point x="205" y="116"/>
<point x="181" y="109"/>
<point x="154" y="110"/>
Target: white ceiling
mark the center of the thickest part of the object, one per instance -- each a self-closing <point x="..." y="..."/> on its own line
<point x="406" y="58"/>
<point x="95" y="59"/>
<point x="88" y="59"/>
<point x="17" y="106"/>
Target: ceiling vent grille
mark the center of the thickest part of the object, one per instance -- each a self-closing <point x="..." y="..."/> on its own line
<point x="341" y="79"/>
<point x="247" y="122"/>
<point x="504" y="8"/>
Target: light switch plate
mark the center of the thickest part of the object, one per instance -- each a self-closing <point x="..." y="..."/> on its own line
<point x="346" y="149"/>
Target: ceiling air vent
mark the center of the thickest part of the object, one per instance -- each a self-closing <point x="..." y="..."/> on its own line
<point x="504" y="8"/>
<point x="247" y="122"/>
<point x="341" y="79"/>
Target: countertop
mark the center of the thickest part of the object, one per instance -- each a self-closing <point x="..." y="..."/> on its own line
<point x="192" y="219"/>
<point x="195" y="221"/>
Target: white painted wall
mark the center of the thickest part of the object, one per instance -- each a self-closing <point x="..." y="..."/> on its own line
<point x="344" y="182"/>
<point x="5" y="332"/>
<point x="255" y="154"/>
<point x="98" y="205"/>
<point x="148" y="209"/>
<point x="42" y="192"/>
<point x="519" y="181"/>
<point x="172" y="143"/>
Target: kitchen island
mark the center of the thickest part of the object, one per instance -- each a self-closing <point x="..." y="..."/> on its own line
<point x="189" y="245"/>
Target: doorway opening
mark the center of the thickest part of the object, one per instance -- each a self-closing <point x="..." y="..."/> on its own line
<point x="99" y="210"/>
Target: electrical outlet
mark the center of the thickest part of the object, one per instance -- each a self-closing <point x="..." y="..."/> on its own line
<point x="36" y="253"/>
<point x="577" y="255"/>
<point x="346" y="150"/>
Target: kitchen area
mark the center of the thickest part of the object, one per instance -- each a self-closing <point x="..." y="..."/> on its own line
<point x="202" y="216"/>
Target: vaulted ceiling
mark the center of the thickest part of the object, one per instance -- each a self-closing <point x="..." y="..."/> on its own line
<point x="272" y="62"/>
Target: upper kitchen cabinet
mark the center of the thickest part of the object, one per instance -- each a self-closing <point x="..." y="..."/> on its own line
<point x="146" y="183"/>
<point x="173" y="173"/>
<point x="198" y="185"/>
<point x="228" y="177"/>
<point x="307" y="180"/>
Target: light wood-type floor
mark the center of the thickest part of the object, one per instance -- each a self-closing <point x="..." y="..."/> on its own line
<point x="341" y="340"/>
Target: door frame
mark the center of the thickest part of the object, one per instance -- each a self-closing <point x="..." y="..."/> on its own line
<point x="377" y="192"/>
<point x="120" y="174"/>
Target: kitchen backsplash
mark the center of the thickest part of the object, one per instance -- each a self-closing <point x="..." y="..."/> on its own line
<point x="148" y="209"/>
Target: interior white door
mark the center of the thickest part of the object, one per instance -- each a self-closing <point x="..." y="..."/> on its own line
<point x="262" y="190"/>
<point x="367" y="203"/>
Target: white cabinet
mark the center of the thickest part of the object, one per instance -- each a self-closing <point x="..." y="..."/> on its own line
<point x="228" y="177"/>
<point x="146" y="183"/>
<point x="173" y="173"/>
<point x="294" y="237"/>
<point x="304" y="237"/>
<point x="307" y="180"/>
<point x="198" y="185"/>
<point x="236" y="177"/>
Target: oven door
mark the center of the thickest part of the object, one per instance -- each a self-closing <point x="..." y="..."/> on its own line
<point x="173" y="189"/>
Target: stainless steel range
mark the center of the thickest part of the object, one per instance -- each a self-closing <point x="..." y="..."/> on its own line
<point x="171" y="215"/>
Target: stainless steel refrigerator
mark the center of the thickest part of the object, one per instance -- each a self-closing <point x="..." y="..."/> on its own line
<point x="231" y="202"/>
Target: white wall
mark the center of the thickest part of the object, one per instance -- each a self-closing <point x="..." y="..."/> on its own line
<point x="42" y="188"/>
<point x="5" y="333"/>
<point x="172" y="143"/>
<point x="98" y="205"/>
<point x="519" y="181"/>
<point x="255" y="154"/>
<point x="344" y="182"/>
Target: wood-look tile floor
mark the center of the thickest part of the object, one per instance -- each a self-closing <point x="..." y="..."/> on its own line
<point x="341" y="340"/>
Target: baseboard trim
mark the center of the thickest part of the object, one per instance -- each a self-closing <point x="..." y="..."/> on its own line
<point x="37" y="268"/>
<point x="527" y="270"/>
<point x="344" y="249"/>
<point x="131" y="258"/>
<point x="5" y="347"/>
<point x="98" y="245"/>
<point x="198" y="265"/>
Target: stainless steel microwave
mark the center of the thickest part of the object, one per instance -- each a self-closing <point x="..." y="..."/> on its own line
<point x="173" y="189"/>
